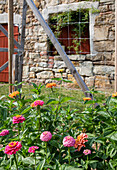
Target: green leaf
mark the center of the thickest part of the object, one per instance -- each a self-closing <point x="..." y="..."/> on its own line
<point x="67" y="81"/>
<point x="26" y="110"/>
<point x="113" y="152"/>
<point x="114" y="100"/>
<point x="113" y="136"/>
<point x="29" y="160"/>
<point x="34" y="85"/>
<point x="52" y="101"/>
<point x="93" y="161"/>
<point x="65" y="99"/>
<point x="111" y="165"/>
<point x="41" y="165"/>
<point x="2" y="149"/>
<point x="57" y="79"/>
<point x="105" y="114"/>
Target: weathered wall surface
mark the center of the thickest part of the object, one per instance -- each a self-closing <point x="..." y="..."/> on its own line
<point x="96" y="69"/>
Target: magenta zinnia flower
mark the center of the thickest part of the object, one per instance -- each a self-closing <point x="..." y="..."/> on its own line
<point x="68" y="141"/>
<point x="12" y="147"/>
<point x="18" y="119"/>
<point x="38" y="102"/>
<point x="32" y="149"/>
<point x="87" y="151"/>
<point x="4" y="132"/>
<point x="46" y="136"/>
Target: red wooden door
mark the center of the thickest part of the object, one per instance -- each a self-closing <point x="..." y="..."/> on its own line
<point x="4" y="55"/>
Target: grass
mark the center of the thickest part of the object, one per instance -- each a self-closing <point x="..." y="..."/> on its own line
<point x="76" y="94"/>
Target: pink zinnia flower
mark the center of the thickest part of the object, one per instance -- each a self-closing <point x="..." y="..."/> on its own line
<point x="87" y="151"/>
<point x="4" y="132"/>
<point x="38" y="102"/>
<point x="12" y="147"/>
<point x="80" y="141"/>
<point x="68" y="141"/>
<point x="46" y="136"/>
<point x="18" y="119"/>
<point x="32" y="149"/>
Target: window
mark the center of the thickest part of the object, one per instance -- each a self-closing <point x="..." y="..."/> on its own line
<point x="77" y="7"/>
<point x="72" y="31"/>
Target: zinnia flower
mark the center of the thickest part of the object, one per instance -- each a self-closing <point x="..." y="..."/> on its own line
<point x="32" y="104"/>
<point x="46" y="136"/>
<point x="50" y="85"/>
<point x="86" y="98"/>
<point x="32" y="149"/>
<point x="18" y="119"/>
<point x="13" y="94"/>
<point x="114" y="94"/>
<point x="79" y="142"/>
<point x="4" y="132"/>
<point x="87" y="151"/>
<point x="61" y="70"/>
<point x="68" y="141"/>
<point x="12" y="147"/>
<point x="38" y="102"/>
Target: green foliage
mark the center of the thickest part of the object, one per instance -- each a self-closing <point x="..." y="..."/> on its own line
<point x="99" y="122"/>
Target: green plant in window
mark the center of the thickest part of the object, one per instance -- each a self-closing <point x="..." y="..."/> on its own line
<point x="77" y="19"/>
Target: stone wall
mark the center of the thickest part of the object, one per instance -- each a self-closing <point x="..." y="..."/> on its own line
<point x="96" y="68"/>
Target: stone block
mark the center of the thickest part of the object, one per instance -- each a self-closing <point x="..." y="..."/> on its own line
<point x="40" y="46"/>
<point x="25" y="71"/>
<point x="95" y="57"/>
<point x="77" y="57"/>
<point x="101" y="33"/>
<point x="111" y="35"/>
<point x="75" y="63"/>
<point x="58" y="58"/>
<point x="86" y="68"/>
<point x="103" y="46"/>
<point x="43" y="64"/>
<point x="58" y="75"/>
<point x="36" y="69"/>
<point x="102" y="82"/>
<point x="59" y="64"/>
<point x="33" y="55"/>
<point x="90" y="81"/>
<point x="102" y="70"/>
<point x="31" y="74"/>
<point x="45" y="75"/>
<point x="106" y="1"/>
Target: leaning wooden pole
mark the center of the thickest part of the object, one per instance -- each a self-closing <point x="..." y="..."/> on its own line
<point x="10" y="41"/>
<point x="59" y="48"/>
<point x="22" y="41"/>
<point x="115" y="45"/>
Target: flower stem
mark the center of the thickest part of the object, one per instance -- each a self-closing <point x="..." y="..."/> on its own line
<point x="35" y="159"/>
<point x="87" y="163"/>
<point x="39" y="117"/>
<point x="19" y="130"/>
<point x="46" y="147"/>
<point x="52" y="90"/>
<point x="15" y="162"/>
<point x="69" y="155"/>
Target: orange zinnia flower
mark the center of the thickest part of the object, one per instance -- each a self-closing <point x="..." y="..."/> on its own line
<point x="13" y="94"/>
<point x="79" y="142"/>
<point x="86" y="98"/>
<point x="32" y="104"/>
<point x="50" y="85"/>
<point x="114" y="94"/>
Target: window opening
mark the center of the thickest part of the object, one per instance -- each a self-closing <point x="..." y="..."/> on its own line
<point x="72" y="31"/>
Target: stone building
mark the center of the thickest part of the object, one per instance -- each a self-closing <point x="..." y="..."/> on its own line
<point x="96" y="66"/>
